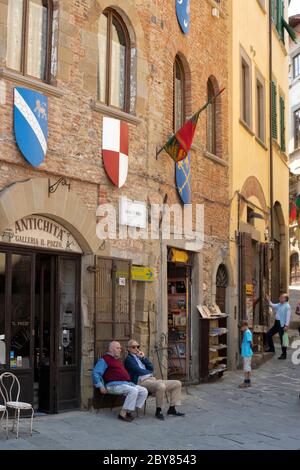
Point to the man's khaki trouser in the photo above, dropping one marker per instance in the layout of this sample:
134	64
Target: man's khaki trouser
160	387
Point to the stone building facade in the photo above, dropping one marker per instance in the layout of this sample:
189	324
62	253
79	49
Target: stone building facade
75	123
258	137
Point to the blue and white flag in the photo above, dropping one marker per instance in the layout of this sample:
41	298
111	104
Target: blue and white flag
183	14
184	179
31	124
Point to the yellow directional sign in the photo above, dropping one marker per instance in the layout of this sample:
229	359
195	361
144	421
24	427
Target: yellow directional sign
142	273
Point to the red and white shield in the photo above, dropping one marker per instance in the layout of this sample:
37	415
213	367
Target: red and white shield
115	150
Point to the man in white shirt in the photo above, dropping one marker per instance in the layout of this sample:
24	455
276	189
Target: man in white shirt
282	321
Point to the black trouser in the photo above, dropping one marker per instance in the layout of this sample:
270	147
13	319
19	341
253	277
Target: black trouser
276	328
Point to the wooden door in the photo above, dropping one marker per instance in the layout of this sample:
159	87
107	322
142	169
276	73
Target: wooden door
67	337
275	272
112	303
45	333
19	308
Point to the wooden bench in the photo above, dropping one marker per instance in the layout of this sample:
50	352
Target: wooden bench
111	400
108	400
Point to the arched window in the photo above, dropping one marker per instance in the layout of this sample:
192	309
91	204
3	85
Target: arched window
114	61
211	138
221	286
29	37
179	94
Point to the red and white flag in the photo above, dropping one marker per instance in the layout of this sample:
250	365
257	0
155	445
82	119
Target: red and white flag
115	150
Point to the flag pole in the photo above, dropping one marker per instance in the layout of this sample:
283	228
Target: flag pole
198	112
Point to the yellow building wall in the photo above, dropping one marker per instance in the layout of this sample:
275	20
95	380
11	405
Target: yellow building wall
248	157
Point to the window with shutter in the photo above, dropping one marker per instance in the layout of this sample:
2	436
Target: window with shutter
260	107
277	13
274	8
246	87
282	124
280	16
296	66
274	111
297	128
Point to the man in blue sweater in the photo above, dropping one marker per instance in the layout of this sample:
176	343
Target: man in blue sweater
141	372
282	320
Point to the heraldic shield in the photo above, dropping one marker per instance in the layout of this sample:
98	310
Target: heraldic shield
183	14
183	179
115	150
31	124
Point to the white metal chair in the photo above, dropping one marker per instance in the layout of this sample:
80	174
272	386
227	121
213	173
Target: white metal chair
9	387
3	412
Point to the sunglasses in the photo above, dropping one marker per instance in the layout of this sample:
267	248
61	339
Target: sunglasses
136	346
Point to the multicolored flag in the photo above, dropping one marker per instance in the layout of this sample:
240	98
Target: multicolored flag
293	212
179	145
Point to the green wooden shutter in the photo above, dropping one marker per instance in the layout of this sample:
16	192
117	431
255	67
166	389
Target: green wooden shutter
273	11
282	124
280	16
274	111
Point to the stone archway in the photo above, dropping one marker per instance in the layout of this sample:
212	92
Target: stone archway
32	197
29	197
252	187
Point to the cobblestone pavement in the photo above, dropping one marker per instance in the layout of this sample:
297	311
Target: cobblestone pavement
219	415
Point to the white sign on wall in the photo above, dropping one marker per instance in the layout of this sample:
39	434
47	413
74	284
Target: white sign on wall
132	213
39	232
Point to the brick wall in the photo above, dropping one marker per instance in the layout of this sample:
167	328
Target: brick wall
75	128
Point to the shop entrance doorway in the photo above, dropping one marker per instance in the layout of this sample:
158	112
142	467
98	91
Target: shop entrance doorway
179	314
55	340
40	297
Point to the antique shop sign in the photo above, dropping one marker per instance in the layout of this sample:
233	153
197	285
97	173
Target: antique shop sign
39	232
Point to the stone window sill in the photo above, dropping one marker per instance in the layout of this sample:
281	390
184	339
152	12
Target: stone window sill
37	85
282	154
115	113
215	158
294	81
282	44
262	7
295	152
261	143
245	126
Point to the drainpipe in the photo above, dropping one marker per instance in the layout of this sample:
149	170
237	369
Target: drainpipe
239	243
270	122
240	286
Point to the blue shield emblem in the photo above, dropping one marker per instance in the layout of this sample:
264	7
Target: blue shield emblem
183	14
31	124
183	179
